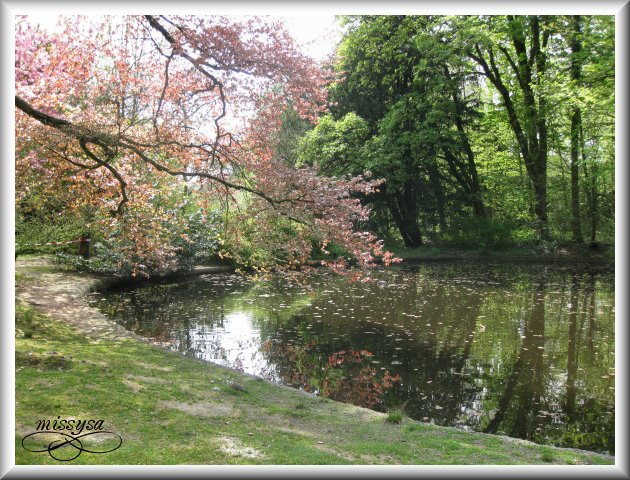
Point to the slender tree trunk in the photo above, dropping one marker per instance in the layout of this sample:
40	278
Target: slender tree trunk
539	183
576	125
467	175
438	192
591	190
576	226
528	62
594	205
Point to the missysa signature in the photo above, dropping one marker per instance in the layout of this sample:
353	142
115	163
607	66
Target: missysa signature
66	439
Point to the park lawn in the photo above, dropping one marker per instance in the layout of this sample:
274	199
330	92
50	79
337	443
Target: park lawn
173	409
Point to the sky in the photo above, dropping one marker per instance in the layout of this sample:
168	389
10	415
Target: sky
316	35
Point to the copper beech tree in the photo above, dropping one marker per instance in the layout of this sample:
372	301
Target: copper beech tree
116	111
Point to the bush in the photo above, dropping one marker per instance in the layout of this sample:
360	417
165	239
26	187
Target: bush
394	417
33	231
195	243
481	233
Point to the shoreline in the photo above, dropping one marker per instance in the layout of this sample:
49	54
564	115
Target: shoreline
60	295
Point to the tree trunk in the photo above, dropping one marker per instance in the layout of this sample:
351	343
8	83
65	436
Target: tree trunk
404	210
576	226
576	125
591	190
438	192
539	184
465	173
528	62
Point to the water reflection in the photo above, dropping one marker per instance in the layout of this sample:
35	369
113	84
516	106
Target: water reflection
522	351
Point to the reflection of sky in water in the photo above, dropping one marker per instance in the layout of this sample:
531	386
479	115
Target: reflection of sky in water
530	348
238	341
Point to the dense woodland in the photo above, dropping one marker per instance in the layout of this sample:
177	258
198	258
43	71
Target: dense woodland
173	141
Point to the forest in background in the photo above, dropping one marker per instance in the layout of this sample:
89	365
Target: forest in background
494	130
485	132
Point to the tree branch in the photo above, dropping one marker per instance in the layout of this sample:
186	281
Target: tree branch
110	143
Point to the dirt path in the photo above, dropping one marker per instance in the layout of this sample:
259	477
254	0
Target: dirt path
62	295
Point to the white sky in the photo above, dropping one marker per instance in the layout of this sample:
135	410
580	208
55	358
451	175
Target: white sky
316	35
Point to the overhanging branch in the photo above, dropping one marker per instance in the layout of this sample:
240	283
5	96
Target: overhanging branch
110	143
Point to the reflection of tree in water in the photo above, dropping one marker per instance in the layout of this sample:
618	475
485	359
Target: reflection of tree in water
590	418
430	360
529	406
524	384
345	376
494	348
436	384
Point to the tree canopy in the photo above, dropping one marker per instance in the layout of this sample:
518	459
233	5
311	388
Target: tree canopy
474	122
176	138
113	111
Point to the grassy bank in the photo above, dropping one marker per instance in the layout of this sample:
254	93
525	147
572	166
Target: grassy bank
603	255
171	409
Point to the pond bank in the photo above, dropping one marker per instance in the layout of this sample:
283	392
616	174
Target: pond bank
72	361
560	257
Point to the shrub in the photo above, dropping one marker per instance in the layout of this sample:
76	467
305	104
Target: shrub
394	416
481	233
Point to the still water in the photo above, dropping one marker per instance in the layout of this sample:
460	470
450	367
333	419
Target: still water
525	351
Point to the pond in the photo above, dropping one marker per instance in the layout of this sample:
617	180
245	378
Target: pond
519	350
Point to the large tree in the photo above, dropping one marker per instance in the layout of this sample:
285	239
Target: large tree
115	105
512	52
402	76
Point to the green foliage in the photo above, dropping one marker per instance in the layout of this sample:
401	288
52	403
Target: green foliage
408	110
292	130
333	252
394	416
400	118
193	236
411	108
199	242
482	233
337	147
547	456
249	250
33	229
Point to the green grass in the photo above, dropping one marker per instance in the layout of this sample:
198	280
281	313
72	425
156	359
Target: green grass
394	417
171	409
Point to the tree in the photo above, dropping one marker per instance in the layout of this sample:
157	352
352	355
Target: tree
402	77
477	124
596	99
576	127
110	106
516	47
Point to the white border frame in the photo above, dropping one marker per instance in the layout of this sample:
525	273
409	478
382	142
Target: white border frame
10	8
